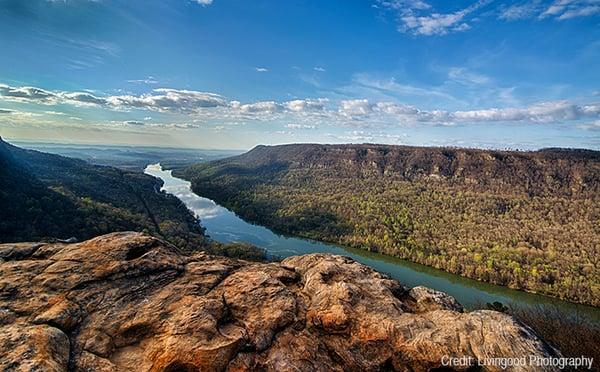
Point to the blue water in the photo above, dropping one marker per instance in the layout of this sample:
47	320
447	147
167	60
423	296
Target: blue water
225	226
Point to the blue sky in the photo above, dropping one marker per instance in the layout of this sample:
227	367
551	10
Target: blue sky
236	73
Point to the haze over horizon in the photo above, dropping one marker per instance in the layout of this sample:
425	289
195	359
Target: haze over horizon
231	74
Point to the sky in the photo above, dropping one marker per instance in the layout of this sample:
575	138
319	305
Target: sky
232	74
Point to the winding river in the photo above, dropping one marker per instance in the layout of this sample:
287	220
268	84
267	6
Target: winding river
225	226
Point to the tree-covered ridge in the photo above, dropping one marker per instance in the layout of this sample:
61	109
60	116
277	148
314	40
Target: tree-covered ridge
528	220
51	196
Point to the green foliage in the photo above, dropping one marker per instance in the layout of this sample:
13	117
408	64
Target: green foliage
497	306
240	250
44	195
529	221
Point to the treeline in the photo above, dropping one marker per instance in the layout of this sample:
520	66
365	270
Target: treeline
540	232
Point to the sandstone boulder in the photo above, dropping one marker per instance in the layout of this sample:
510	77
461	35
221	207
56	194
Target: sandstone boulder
130	302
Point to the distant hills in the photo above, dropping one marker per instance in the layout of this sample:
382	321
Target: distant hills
50	196
547	171
528	220
133	158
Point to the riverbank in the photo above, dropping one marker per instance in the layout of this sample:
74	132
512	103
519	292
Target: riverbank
225	226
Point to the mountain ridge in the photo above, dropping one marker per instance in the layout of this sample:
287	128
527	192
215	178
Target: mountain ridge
413	162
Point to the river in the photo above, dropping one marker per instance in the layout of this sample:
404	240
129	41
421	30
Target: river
225	226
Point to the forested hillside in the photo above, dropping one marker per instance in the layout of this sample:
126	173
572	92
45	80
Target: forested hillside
51	196
528	220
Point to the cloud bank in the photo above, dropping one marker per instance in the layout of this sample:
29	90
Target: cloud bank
201	106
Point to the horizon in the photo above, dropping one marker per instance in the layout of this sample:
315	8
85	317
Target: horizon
20	143
228	74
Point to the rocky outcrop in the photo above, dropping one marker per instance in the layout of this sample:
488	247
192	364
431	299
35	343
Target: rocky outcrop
127	301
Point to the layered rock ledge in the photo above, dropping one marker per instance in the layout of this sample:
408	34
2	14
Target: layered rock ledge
128	301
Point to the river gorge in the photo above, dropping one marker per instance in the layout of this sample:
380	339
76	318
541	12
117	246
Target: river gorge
225	226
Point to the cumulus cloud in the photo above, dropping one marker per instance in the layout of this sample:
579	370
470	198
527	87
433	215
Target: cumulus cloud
319	69
83	98
304	113
261	69
162	100
46	97
361	110
26	94
204	2
298	106
301	105
353	108
258	107
169	100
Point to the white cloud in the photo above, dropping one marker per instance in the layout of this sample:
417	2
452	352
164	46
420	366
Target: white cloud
363	84
169	100
149	80
319	69
580	12
418	17
259	107
415	17
300	126
261	69
46	97
361	110
26	94
595	125
519	11
353	108
58	113
404	4
300	105
163	100
204	2
303	113
464	76
566	9
81	98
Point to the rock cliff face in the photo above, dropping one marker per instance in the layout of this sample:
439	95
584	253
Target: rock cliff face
127	301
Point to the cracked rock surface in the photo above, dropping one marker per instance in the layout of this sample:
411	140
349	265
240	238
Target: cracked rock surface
128	301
